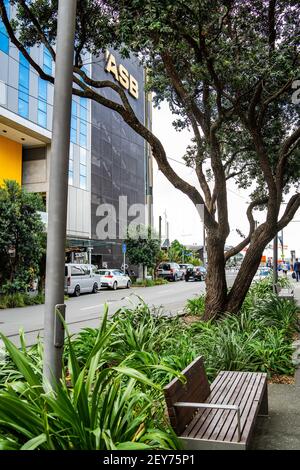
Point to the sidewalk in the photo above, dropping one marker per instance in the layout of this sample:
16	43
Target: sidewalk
296	286
281	429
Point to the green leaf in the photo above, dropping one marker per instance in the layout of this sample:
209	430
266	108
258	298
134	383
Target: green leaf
35	442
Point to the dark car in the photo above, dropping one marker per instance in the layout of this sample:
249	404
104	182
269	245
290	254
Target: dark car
197	273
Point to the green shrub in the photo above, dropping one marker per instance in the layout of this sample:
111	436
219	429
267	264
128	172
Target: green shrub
20	299
150	282
95	408
195	306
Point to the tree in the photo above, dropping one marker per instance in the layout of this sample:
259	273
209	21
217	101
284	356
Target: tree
143	247
227	70
176	251
21	236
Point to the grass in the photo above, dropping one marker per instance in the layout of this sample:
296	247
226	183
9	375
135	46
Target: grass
150	282
20	300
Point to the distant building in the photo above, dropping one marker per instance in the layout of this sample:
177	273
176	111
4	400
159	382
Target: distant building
107	158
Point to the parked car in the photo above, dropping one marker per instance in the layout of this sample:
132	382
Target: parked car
184	267
114	278
196	273
170	271
80	278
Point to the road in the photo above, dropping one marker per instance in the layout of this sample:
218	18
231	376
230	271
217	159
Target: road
87	309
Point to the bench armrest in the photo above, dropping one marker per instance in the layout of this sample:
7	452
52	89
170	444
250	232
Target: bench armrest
235	408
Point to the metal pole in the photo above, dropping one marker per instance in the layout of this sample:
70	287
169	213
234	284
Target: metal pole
159	228
58	188
124	262
204	248
275	257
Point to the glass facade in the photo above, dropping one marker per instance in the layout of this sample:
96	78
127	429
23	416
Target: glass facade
42	103
23	98
71	165
43	89
83	123
74	123
4	40
83	168
118	159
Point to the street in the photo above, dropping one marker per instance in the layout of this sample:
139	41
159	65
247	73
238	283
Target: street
86	310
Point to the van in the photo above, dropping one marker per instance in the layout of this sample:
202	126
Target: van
80	278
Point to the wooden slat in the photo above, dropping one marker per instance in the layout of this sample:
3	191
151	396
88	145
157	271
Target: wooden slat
215	392
223	417
240	382
252	410
204	417
246	397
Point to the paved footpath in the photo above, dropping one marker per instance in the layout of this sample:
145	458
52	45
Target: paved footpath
281	429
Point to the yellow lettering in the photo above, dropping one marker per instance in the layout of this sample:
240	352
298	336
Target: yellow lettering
123	77
111	66
133	87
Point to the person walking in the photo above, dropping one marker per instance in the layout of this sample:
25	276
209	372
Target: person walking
297	269
284	268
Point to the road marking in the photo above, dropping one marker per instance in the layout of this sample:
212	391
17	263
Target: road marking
93	306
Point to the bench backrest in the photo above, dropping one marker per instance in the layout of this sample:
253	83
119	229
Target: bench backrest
196	389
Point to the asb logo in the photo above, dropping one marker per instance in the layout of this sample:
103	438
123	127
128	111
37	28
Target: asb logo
122	75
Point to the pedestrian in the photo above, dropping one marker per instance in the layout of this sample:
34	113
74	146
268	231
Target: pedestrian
297	269
284	268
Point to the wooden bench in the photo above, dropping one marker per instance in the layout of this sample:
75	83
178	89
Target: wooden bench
285	293
217	416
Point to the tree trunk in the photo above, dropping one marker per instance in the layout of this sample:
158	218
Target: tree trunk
216	285
246	273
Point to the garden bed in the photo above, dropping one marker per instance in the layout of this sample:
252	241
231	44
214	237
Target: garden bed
112	387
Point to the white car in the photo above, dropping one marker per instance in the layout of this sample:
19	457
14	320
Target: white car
114	278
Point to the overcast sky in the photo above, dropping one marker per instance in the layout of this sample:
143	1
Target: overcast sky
184	222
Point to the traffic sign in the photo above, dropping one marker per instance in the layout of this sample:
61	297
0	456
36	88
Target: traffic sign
124	248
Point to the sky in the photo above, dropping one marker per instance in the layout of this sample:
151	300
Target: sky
184	222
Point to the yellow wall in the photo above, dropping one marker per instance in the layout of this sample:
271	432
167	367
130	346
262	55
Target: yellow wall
10	160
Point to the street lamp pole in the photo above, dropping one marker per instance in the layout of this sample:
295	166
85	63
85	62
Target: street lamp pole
275	266
58	193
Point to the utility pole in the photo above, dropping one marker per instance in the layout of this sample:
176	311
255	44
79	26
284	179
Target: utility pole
159	229
58	193
275	257
204	246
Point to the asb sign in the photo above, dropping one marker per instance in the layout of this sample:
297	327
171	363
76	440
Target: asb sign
122	75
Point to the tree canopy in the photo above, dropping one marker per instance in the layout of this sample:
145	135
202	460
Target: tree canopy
227	70
143	246
21	236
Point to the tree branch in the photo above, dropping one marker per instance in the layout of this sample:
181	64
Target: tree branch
36	24
283	157
290	210
234	251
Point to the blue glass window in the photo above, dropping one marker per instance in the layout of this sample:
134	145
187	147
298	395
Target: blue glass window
83	134
42	103
74	123
83	123
47	62
23	98
4	40
83	169
71	165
